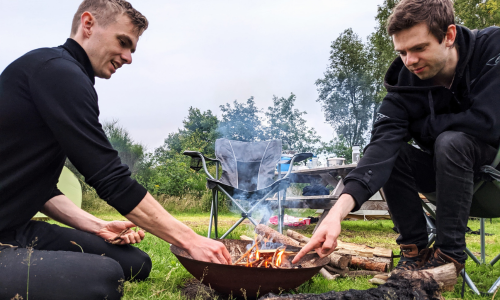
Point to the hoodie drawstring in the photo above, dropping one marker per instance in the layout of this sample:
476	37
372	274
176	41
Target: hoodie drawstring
431	105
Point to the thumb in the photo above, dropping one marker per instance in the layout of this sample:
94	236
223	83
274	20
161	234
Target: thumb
129	224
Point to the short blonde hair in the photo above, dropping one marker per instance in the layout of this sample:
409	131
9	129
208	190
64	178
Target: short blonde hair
105	12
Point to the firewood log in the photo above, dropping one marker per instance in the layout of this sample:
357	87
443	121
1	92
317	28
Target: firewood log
327	275
366	263
275	236
339	261
297	236
341	272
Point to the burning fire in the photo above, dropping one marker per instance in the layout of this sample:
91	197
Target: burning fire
263	258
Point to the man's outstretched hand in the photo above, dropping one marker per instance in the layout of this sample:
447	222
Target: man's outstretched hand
206	249
324	240
117	231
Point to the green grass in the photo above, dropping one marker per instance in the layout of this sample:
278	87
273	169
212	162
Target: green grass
168	275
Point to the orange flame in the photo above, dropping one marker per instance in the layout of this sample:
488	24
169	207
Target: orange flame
278	257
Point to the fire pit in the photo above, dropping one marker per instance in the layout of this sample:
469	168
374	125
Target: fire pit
244	280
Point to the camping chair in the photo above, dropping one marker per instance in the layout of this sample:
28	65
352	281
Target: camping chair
248	170
485	204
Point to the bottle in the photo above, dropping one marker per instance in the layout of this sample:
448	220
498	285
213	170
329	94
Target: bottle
355	154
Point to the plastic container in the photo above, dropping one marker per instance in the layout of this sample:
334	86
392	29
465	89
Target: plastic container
284	168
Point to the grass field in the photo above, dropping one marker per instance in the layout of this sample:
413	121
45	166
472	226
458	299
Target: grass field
168	275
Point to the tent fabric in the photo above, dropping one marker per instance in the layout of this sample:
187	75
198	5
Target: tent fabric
70	186
247	166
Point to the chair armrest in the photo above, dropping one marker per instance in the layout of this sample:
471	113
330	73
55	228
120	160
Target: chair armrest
296	158
198	154
196	159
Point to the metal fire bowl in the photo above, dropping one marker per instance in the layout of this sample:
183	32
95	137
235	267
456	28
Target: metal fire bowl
233	280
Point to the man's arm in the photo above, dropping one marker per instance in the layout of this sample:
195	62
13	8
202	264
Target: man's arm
62	209
150	215
324	240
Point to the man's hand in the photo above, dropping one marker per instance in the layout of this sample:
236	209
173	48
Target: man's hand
118	231
324	240
206	249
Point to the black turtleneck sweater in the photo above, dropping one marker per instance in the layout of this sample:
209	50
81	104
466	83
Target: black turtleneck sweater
49	111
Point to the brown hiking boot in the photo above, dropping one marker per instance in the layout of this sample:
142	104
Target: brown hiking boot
439	259
411	259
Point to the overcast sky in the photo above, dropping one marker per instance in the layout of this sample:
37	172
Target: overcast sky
203	54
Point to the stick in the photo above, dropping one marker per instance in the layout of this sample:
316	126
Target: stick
274	256
272	234
246	253
297	236
7	245
328	275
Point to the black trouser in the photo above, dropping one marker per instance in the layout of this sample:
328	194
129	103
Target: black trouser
49	265
450	173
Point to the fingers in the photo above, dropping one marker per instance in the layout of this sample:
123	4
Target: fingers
308	247
226	255
132	237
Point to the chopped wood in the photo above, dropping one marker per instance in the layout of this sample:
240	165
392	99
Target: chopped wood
7	245
297	236
341	272
245	238
367	264
327	275
275	236
339	261
245	254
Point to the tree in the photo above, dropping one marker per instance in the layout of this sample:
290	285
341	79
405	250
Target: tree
287	124
346	92
129	152
339	147
381	51
199	133
477	13
241	121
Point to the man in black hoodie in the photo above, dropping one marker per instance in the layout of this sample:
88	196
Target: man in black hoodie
443	93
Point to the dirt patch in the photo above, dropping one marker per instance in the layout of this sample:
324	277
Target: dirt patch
195	290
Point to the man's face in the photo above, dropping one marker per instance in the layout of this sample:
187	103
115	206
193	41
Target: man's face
110	47
421	51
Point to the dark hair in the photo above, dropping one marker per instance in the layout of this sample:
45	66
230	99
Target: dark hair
437	14
105	12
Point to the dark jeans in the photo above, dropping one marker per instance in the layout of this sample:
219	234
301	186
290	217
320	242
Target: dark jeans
48	265
450	173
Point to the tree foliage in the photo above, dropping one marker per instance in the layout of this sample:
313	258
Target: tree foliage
477	13
241	122
130	153
286	123
346	92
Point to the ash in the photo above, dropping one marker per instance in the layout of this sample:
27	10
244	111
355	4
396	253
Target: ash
397	287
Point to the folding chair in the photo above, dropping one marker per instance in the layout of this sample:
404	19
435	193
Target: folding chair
248	171
485	204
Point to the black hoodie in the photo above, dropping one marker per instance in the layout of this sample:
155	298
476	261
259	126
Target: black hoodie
415	108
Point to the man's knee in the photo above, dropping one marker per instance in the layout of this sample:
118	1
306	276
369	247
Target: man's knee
140	265
453	144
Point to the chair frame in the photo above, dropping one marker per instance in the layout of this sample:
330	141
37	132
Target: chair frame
247	214
432	235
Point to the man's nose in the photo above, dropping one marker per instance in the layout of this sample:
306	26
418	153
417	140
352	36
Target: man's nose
411	59
127	57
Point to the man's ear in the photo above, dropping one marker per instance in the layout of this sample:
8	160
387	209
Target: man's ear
451	34
87	24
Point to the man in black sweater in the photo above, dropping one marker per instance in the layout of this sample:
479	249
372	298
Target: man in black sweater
49	112
443	92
